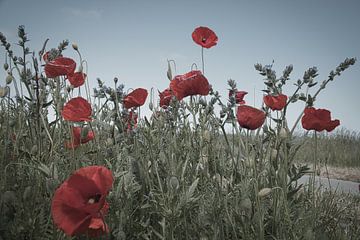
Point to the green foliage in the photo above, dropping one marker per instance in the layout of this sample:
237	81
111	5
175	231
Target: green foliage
178	175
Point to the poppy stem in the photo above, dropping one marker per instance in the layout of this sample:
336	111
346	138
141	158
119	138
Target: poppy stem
202	60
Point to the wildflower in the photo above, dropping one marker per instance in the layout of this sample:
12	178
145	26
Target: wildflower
136	98
77	137
249	117
275	102
78	205
77	79
189	84
239	96
204	37
165	97
77	110
59	66
318	120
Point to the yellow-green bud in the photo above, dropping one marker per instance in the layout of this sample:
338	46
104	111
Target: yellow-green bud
6	66
264	192
274	153
75	46
3	91
283	133
109	142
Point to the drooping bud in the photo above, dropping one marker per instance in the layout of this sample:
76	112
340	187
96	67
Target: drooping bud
283	133
3	91
264	192
75	46
9	79
6	66
174	183
274	153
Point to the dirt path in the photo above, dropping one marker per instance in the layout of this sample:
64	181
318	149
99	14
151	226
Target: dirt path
346	174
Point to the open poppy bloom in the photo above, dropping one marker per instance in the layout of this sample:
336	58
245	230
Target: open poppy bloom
77	110
59	66
239	96
165	98
318	120
78	205
249	117
205	37
79	136
77	79
276	102
136	98
189	84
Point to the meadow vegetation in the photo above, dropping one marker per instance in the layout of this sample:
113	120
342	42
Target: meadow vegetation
110	173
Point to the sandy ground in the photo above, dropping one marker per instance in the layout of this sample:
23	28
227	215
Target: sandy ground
348	174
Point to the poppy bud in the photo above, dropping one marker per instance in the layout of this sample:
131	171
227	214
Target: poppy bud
27	194
109	142
75	46
274	153
174	183
206	136
151	106
3	91
34	150
6	66
283	133
246	204
9	197
12	123
264	192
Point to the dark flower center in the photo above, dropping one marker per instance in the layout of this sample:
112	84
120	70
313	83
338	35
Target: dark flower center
94	199
203	40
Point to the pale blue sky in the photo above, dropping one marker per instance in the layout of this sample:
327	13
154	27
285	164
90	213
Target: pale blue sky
133	39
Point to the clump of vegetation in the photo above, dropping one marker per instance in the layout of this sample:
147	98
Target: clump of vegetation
82	165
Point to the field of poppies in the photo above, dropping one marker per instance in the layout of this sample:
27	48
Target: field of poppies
84	164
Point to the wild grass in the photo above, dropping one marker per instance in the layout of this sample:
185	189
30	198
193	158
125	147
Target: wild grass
340	148
177	175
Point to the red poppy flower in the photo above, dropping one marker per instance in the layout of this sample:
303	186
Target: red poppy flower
165	97
276	102
136	98
77	110
78	205
239	96
249	117
205	37
189	84
59	66
132	120
77	79
77	137
318	120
